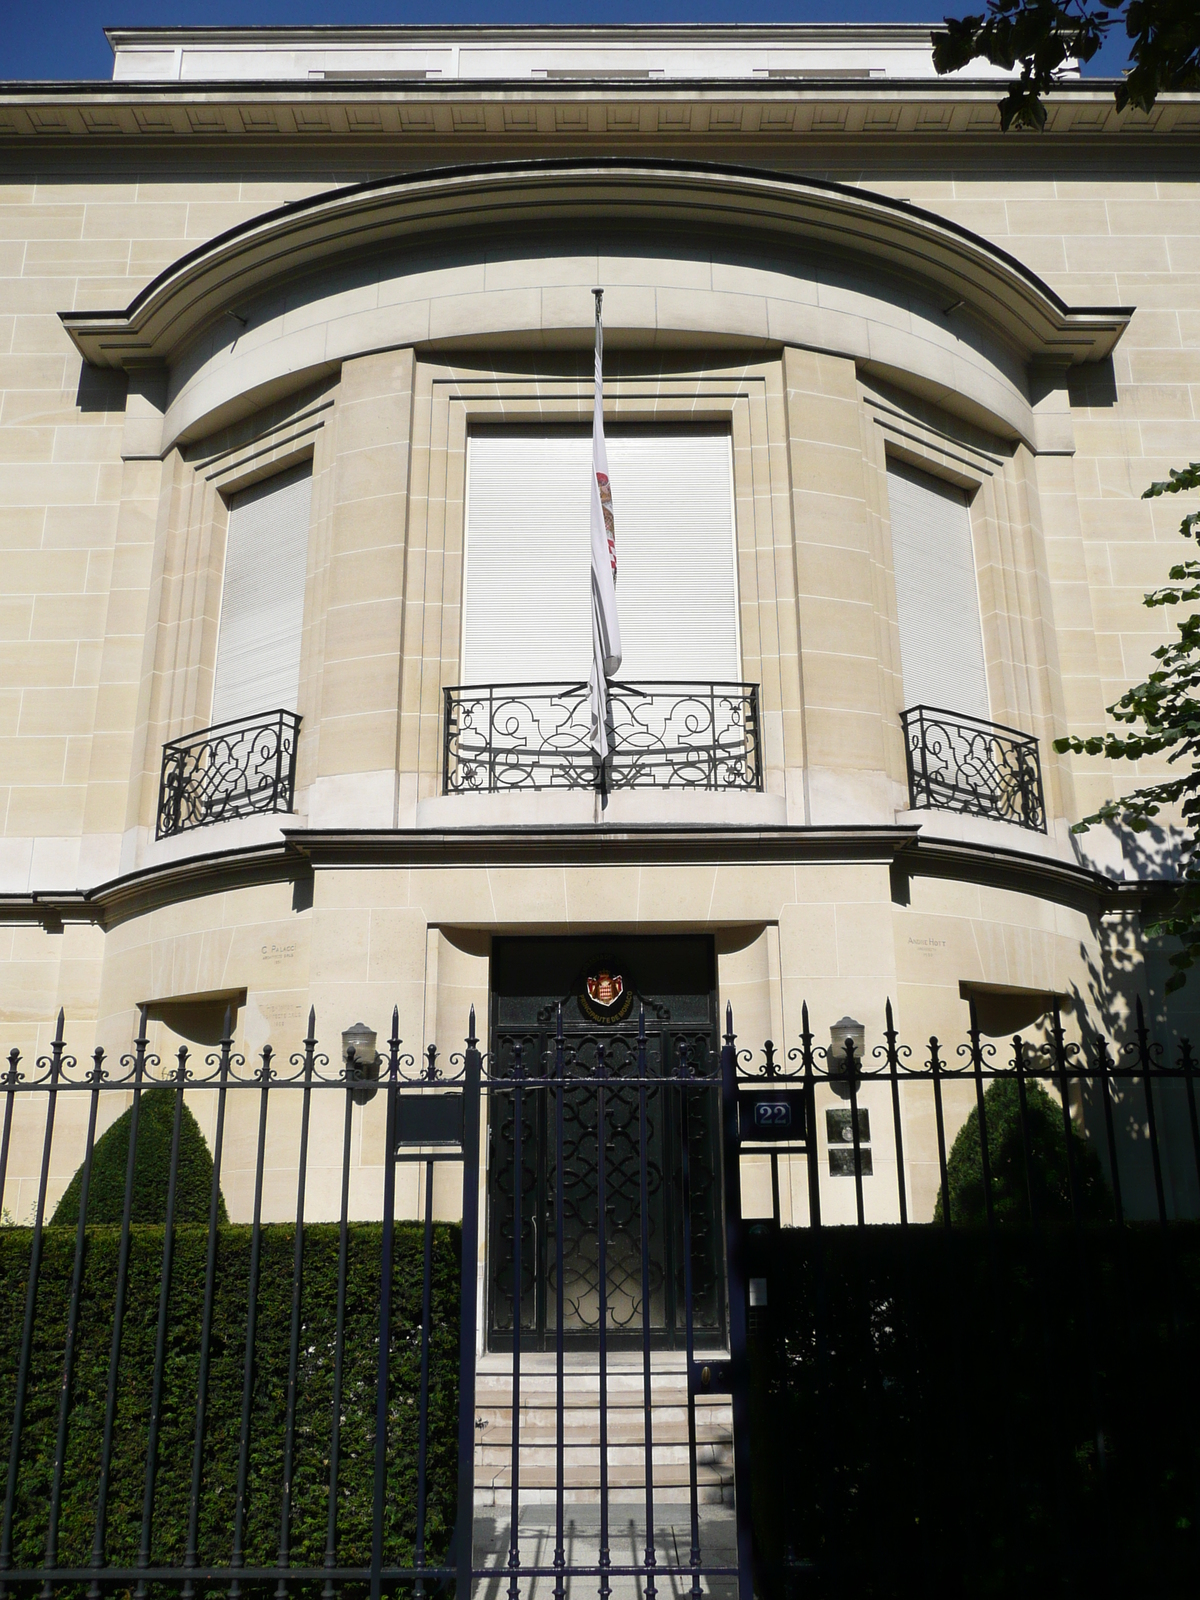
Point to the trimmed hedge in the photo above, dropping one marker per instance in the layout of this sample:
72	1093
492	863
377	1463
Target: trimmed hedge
1049	1172
315	1391
151	1169
926	1418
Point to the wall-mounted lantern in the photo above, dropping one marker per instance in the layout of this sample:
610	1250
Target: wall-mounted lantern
847	1044
362	1061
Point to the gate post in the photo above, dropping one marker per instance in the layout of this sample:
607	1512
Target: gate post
736	1273
468	1287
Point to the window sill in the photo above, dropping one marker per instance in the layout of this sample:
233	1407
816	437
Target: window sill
548	808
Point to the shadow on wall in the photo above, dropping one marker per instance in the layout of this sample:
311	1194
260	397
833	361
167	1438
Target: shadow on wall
1092	385
1130	964
101	389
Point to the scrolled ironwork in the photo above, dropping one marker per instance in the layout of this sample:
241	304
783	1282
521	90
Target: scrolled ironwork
959	763
498	737
245	767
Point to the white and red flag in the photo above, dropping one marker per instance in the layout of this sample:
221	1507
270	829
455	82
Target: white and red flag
606	628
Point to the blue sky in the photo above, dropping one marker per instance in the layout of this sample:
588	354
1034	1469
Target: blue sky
65	39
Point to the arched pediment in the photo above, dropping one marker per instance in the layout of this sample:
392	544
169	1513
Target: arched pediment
303	238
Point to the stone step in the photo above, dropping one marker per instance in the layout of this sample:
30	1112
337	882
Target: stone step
499	1392
626	1459
586	1383
584	1452
584	1428
578	1393
577	1417
714	1487
627	1374
488	1444
707	1494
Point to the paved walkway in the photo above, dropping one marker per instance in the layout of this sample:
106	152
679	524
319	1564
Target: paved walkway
627	1539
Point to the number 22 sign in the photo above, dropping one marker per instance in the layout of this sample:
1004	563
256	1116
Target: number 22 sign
776	1116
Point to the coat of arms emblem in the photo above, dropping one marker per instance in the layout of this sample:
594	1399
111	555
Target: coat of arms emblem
606	995
605	988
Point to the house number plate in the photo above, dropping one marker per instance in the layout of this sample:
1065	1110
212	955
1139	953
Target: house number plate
775	1116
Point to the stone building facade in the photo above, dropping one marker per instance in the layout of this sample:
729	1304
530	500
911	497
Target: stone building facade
342	258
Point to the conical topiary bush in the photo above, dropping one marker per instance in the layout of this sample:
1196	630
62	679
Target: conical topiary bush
1049	1175
151	1169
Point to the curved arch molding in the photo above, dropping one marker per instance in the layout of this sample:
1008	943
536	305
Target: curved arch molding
231	298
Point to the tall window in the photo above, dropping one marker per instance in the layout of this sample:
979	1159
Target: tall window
262	599
937	596
526	611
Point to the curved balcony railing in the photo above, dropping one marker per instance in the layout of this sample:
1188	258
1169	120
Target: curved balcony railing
505	736
958	763
240	768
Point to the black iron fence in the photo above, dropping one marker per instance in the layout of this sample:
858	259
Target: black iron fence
958	763
195	1403
985	1383
498	737
239	768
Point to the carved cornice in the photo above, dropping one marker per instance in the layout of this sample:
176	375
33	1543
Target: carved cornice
899	848
737	203
366	110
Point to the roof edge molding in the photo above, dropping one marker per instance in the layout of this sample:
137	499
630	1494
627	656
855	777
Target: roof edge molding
299	238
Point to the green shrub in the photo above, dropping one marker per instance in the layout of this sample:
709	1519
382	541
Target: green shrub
929	1407
268	1413
151	1169
1048	1174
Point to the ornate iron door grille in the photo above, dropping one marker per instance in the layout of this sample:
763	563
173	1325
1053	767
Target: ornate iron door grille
239	768
694	1077
958	763
561	1175
664	735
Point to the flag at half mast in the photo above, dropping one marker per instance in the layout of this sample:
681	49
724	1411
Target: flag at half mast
606	629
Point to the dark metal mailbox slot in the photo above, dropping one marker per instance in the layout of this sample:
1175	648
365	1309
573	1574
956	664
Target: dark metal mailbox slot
775	1116
429	1119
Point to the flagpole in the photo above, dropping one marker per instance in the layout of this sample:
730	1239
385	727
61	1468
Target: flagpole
606	627
598	405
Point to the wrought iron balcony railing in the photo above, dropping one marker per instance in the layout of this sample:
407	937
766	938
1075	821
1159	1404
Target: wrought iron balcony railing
958	763
504	736
235	769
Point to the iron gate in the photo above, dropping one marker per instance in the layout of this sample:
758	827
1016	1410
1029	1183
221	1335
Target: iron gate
560	1174
608	1094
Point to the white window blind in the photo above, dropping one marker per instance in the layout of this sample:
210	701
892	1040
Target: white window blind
937	596
526	609
262	600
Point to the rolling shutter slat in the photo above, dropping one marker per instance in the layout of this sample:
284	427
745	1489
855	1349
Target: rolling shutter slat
262	602
526	605
937	596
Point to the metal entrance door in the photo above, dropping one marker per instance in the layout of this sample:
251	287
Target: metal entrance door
619	1033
